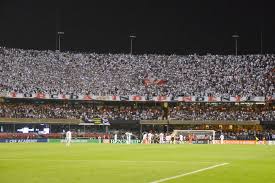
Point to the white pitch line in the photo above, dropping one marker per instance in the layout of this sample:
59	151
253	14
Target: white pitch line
189	173
100	160
93	160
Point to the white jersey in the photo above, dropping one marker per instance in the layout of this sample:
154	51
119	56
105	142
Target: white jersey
128	137
150	135
69	135
161	138
144	136
222	138
68	138
181	138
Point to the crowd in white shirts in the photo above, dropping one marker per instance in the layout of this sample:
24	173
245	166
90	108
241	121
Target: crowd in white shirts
193	112
32	71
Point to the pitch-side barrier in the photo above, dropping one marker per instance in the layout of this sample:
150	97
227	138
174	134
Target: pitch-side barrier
112	141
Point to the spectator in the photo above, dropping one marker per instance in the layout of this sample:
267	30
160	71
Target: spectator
32	71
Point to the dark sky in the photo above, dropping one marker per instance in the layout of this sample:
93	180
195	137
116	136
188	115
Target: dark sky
166	27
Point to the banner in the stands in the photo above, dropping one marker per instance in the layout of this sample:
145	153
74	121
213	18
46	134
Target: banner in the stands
236	99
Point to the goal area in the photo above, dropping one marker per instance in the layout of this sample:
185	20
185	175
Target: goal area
196	136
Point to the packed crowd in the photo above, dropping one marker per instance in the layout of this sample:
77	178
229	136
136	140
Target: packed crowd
185	112
243	113
78	111
31	71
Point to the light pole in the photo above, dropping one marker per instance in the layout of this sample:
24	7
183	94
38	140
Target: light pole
131	46
236	36
59	39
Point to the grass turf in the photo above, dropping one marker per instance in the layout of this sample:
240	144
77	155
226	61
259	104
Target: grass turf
98	163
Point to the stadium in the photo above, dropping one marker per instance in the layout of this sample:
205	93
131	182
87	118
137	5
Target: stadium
133	113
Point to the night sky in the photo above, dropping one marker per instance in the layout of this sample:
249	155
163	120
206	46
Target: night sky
164	27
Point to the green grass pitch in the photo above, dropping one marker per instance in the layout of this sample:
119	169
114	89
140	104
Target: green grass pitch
111	163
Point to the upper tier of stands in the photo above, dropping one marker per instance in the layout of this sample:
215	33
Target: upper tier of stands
31	71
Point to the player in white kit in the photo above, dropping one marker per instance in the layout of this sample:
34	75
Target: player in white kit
128	137
68	138
222	138
115	138
168	139
181	138
161	138
144	138
150	135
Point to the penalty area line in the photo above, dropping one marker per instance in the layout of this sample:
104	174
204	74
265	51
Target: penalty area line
189	173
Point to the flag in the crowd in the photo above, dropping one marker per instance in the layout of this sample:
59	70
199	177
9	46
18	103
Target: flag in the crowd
160	82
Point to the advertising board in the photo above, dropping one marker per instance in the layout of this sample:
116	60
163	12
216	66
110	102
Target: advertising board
23	140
